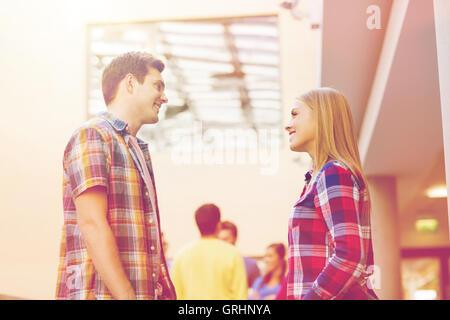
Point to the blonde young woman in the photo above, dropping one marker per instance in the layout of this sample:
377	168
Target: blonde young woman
330	246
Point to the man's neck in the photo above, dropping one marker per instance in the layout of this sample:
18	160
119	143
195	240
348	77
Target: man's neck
120	111
212	236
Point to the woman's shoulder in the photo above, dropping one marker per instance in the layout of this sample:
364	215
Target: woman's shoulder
257	282
332	167
335	166
337	172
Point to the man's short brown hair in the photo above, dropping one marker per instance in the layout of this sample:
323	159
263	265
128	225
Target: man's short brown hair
136	63
207	218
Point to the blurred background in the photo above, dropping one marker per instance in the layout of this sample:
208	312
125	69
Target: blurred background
233	69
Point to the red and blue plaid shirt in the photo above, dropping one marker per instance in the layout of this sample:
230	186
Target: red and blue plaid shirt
330	246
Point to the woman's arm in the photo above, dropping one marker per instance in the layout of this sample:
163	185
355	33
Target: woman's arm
282	293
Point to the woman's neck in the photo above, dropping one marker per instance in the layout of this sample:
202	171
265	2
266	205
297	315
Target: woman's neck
275	277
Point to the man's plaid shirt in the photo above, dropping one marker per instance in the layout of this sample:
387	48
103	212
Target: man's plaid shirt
330	246
100	154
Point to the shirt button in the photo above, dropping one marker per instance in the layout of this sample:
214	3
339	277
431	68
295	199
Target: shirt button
151	221
146	193
152	248
154	275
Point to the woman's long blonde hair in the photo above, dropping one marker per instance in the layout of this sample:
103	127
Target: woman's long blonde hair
335	131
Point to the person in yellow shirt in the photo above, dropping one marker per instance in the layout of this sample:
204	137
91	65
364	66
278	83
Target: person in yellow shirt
209	268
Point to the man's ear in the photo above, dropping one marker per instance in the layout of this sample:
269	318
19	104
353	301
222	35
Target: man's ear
129	83
217	229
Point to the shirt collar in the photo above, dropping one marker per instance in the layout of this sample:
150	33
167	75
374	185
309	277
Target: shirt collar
121	127
308	175
118	125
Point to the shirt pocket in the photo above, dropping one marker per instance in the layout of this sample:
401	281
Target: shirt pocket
304	207
125	181
302	216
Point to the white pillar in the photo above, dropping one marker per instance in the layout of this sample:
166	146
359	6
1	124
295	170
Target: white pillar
442	25
385	237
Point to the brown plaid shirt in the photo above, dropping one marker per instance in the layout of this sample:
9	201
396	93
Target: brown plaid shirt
100	153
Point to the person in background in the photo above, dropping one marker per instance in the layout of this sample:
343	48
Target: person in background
228	232
209	268
330	242
266	288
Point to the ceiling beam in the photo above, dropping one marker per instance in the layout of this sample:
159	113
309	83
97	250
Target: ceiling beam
178	85
219	49
245	100
211	60
394	27
442	25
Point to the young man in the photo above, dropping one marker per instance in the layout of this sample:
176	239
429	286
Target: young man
229	233
209	269
111	246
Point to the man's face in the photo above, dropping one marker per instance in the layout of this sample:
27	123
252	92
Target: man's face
149	96
227	236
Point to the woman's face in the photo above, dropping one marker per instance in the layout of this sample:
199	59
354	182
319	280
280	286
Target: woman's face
271	259
301	129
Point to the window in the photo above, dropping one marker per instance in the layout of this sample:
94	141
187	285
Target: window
223	73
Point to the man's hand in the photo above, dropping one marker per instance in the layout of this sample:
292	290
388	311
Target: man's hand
92	208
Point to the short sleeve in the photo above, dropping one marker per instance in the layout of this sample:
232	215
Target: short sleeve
257	283
86	160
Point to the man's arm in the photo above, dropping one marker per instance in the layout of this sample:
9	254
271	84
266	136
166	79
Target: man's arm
176	278
92	207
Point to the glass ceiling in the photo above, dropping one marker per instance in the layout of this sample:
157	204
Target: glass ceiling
223	73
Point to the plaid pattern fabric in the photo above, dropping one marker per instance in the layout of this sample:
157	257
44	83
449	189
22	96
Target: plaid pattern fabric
100	154
330	246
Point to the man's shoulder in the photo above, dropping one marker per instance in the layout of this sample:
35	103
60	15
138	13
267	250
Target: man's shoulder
98	124
96	127
186	250
250	261
214	245
227	248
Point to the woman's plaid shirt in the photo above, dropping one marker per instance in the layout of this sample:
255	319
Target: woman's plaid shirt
330	246
100	154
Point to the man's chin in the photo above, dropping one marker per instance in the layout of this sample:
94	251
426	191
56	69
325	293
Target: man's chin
152	119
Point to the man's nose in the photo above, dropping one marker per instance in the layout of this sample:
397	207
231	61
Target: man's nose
164	98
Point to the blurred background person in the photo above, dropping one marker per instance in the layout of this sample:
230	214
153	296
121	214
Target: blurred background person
209	268
266	288
228	232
